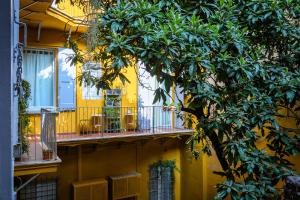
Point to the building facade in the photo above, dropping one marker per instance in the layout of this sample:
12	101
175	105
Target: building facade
82	143
77	142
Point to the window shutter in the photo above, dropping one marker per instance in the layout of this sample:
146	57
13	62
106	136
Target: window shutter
66	80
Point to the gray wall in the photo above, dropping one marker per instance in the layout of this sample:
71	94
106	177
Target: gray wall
8	103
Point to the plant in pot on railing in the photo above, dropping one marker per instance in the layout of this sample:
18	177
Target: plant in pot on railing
169	107
23	122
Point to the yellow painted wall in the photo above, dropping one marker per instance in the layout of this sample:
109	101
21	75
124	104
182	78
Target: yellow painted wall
68	121
193	177
101	161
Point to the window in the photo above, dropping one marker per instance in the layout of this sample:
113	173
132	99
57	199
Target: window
146	88
162	180
39	71
90	92
39	189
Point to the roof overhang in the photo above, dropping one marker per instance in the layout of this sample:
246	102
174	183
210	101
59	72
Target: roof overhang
41	12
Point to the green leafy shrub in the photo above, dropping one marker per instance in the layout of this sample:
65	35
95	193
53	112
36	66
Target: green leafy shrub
238	61
23	119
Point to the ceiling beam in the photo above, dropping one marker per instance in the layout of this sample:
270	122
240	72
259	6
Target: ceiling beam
39	32
26	15
28	5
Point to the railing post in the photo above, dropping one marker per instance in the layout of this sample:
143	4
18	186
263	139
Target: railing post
153	118
54	135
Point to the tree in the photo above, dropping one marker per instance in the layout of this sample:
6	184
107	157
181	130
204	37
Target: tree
237	60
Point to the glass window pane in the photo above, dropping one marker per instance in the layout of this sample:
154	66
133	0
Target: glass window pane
90	92
38	70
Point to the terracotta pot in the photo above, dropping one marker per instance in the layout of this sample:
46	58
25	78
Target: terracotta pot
47	154
172	108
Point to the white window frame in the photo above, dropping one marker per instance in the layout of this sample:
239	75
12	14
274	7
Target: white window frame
85	87
37	109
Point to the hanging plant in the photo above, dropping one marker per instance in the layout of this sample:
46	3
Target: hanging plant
165	164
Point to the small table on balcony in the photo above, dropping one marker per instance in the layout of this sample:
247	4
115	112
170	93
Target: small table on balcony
98	121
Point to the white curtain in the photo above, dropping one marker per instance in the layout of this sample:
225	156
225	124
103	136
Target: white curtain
38	70
146	96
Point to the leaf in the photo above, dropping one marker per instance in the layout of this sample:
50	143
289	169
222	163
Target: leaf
290	96
192	69
156	96
239	47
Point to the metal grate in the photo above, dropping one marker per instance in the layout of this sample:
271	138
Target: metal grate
43	188
161	182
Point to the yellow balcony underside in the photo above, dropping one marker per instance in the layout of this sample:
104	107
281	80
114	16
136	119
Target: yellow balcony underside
36	167
121	137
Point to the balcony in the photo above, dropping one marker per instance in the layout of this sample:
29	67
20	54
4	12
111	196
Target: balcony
106	124
37	153
49	128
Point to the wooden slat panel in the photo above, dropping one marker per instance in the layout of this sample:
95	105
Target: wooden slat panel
124	186
93	189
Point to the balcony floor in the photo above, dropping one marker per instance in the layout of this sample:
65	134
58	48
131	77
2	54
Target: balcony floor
33	162
64	138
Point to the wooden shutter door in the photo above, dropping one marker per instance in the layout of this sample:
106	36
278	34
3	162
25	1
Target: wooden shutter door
66	80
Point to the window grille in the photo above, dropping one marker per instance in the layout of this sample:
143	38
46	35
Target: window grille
161	182
40	189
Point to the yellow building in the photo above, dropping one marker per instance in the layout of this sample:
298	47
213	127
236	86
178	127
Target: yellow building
89	144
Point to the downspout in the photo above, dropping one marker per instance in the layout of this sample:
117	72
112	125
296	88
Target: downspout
25	30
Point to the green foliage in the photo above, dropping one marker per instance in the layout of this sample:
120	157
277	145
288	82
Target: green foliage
23	120
112	112
164	164
238	60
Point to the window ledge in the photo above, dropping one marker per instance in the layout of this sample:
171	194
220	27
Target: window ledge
38	110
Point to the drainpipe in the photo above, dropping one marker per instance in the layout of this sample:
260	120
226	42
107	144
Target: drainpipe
25	30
